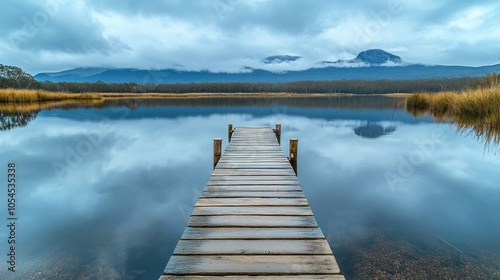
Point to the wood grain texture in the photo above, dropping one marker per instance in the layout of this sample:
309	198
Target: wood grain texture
253	221
250	194
244	277
254	178
259	201
254	183
250	210
262	172
252	233
251	265
253	247
246	187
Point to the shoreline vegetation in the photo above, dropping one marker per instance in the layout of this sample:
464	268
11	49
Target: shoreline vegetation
476	109
31	96
26	96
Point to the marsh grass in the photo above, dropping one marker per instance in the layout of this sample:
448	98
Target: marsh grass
477	110
476	104
30	96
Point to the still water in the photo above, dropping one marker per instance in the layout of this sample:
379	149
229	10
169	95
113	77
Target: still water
105	193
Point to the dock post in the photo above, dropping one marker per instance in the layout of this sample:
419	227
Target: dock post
217	150
277	131
294	146
229	132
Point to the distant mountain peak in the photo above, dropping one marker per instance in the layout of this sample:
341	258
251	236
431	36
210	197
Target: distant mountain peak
372	57
375	57
276	59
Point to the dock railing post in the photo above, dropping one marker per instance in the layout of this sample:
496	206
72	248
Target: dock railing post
277	131
229	132
294	146
217	150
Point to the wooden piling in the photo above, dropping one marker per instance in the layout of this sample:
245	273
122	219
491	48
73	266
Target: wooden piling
277	131
294	146
217	150
229	132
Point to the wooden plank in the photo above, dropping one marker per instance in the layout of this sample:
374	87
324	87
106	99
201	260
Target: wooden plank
253	247
287	171
263	142
254	178
255	160
243	194
227	233
258	165
250	210
260	188
250	154
261	146
259	201
252	221
244	277
254	183
251	265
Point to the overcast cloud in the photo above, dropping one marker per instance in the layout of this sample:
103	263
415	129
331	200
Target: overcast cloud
227	35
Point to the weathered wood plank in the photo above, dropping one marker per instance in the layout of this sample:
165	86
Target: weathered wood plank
252	221
254	178
287	171
261	188
253	247
250	210
254	148
253	161
244	194
258	201
253	183
254	165
244	277
250	154
252	233
251	265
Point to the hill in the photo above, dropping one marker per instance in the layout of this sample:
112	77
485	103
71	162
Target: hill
368	65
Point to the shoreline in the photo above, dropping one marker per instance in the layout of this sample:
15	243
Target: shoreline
30	96
239	94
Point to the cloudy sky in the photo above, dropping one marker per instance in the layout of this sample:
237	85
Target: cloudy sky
227	35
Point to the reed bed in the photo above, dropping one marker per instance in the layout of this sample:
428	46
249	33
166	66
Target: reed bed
477	109
478	104
30	96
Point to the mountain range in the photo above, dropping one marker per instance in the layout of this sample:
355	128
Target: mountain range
367	65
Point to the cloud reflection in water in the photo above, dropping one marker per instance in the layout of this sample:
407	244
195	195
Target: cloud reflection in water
120	212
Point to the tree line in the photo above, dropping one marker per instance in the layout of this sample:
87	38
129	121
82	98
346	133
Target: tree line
14	77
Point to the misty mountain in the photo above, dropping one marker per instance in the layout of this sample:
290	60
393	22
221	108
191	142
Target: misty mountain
374	57
374	67
377	57
275	59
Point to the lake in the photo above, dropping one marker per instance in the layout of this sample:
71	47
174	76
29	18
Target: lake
105	192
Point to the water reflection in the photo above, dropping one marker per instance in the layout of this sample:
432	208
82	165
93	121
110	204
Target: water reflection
16	119
373	130
485	130
105	193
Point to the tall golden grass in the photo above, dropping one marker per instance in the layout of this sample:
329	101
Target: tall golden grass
479	104
29	96
477	109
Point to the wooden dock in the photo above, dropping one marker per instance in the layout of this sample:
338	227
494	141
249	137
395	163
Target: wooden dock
252	220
